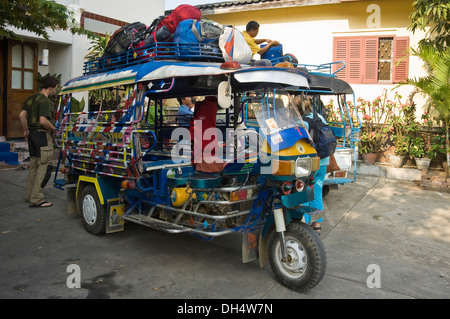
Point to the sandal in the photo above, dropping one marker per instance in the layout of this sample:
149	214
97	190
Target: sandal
43	204
317	229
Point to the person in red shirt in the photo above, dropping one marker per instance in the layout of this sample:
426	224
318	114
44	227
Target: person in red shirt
205	145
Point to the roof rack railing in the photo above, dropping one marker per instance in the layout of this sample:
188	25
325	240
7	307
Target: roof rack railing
156	51
321	69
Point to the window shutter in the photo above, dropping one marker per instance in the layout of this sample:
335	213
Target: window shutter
370	50
355	60
401	57
340	49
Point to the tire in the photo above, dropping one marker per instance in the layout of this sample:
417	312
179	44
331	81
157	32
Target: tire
308	264
325	190
93	214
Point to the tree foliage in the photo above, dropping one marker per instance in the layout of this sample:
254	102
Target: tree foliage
437	83
35	16
98	46
436	15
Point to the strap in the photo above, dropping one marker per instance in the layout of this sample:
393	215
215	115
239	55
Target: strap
315	116
155	24
195	31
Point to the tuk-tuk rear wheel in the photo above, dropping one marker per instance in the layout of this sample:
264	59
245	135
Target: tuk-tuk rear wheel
93	212
306	262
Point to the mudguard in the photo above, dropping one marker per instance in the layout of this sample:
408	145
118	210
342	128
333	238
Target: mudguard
107	188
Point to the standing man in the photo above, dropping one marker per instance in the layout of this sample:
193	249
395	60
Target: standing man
251	31
35	118
185	112
306	111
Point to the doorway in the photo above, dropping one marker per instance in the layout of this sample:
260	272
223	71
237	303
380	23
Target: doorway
21	82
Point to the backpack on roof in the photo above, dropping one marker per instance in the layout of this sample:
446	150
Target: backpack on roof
180	13
154	33
193	31
323	136
163	28
122	38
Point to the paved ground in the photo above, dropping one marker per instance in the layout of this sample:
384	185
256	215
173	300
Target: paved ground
374	226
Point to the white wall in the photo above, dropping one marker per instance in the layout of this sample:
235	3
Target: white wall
130	11
137	10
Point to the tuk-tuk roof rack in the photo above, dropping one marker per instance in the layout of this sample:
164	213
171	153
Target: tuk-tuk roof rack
325	69
155	51
209	52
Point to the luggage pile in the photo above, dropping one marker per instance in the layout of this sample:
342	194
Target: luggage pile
183	34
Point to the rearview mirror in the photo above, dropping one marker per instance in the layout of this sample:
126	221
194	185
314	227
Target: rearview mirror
224	95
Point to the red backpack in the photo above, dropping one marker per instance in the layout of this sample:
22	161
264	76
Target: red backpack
180	13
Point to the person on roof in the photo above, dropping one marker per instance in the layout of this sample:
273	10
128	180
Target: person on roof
252	30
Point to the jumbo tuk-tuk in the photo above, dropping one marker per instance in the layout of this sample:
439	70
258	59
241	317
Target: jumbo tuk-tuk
119	167
346	125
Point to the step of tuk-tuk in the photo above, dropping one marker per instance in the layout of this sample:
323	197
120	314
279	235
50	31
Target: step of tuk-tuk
156	224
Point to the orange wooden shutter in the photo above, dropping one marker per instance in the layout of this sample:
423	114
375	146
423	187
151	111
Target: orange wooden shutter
370	49
340	50
355	60
400	71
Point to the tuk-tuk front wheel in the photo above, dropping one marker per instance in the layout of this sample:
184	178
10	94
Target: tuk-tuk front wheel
306	262
92	212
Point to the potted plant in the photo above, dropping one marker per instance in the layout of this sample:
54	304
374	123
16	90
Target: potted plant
375	116
401	151
369	146
418	151
401	115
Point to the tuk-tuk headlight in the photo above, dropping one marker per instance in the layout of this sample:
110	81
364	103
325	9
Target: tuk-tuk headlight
303	166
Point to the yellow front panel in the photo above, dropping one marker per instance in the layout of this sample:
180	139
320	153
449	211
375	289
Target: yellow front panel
300	148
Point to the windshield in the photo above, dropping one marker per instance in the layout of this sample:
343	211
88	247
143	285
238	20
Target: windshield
274	110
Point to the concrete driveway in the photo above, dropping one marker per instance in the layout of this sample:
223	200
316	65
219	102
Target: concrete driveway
384	239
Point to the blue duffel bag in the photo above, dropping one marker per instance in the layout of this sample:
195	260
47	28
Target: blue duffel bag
195	32
274	52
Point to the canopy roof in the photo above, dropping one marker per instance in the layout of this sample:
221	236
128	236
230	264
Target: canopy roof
326	84
160	70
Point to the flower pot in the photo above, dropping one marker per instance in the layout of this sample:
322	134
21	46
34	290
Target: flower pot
369	158
397	161
422	163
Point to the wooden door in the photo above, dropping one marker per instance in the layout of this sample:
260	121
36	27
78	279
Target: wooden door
22	82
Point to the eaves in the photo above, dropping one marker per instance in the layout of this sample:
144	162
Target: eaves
252	5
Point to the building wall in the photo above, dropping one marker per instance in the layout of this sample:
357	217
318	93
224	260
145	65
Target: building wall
67	51
308	32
